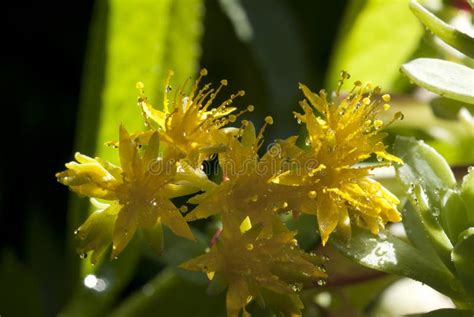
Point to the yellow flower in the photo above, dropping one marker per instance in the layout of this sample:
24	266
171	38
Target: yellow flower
245	190
138	192
259	267
333	184
192	128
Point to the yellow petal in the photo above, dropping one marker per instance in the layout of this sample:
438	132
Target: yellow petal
125	227
172	218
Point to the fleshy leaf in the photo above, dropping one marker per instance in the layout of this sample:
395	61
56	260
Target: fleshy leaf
453	215
442	77
389	254
463	258
467	194
424	174
449	34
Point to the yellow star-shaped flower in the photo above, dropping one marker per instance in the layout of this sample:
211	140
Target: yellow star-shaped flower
137	193
333	183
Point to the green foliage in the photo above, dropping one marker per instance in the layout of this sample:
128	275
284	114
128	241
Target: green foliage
449	34
368	42
129	42
442	77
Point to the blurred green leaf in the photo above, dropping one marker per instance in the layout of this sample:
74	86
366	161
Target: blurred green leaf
97	290
129	42
457	39
442	77
446	108
463	258
425	174
445	312
389	254
467	194
19	292
169	294
370	43
453	215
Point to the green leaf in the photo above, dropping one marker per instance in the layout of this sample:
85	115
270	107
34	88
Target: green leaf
425	174
19	291
415	231
129	42
389	254
457	39
445	312
442	77
422	165
463	258
169	294
453	215
467	194
370	42
445	108
111	276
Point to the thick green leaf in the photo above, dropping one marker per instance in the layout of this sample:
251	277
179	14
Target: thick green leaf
467	194
463	258
170	295
445	312
415	231
422	165
371	43
457	39
445	78
387	253
453	215
425	174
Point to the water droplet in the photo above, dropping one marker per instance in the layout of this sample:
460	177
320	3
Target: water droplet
312	194
83	255
411	188
183	208
321	282
76	231
168	88
250	246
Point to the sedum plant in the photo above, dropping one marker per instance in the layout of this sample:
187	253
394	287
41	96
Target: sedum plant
253	254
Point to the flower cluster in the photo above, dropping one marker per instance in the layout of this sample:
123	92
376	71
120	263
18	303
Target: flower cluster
254	255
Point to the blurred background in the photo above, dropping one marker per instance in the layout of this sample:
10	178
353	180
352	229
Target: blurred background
71	74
